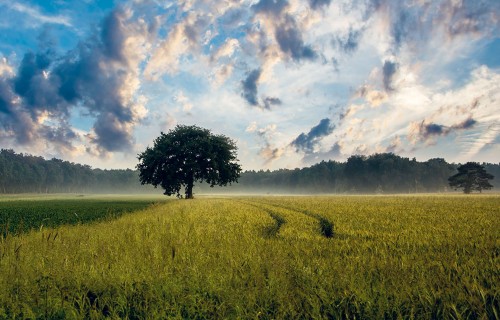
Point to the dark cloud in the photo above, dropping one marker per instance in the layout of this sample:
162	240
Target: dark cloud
271	101
250	87
61	136
425	131
307	142
289	38
6	97
388	70
433	129
113	37
273	7
318	4
37	88
110	134
466	124
349	42
404	27
335	151
16	124
92	76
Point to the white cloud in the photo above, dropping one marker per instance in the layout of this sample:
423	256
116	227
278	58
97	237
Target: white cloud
6	69
37	17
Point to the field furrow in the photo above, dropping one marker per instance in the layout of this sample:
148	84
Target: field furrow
293	224
326	227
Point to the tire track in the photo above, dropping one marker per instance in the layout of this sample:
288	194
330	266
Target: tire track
272	230
326	227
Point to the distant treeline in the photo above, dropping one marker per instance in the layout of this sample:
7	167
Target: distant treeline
378	173
24	173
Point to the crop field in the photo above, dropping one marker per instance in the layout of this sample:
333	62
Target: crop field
21	213
328	257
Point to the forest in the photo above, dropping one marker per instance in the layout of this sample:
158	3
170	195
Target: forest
377	173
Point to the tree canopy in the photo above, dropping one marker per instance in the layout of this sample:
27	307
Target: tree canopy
471	176
188	154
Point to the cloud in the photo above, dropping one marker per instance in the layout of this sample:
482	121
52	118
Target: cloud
184	37
319	4
221	74
5	68
349	42
469	17
307	142
250	87
272	7
271	101
267	151
289	38
425	131
374	97
184	101
101	75
395	145
466	124
227	49
165	58
414	25
36	16
270	153
389	70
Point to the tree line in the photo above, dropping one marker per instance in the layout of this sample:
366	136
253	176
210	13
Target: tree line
25	173
378	173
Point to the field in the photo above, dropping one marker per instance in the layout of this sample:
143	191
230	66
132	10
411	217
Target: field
262	257
23	213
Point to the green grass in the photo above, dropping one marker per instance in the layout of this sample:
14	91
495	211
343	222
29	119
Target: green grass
264	257
20	214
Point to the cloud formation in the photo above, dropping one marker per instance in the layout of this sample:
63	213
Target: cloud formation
289	38
100	76
249	86
307	142
418	66
425	132
388	71
36	17
268	151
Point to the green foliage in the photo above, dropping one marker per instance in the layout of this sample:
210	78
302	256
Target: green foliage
188	154
471	177
390	257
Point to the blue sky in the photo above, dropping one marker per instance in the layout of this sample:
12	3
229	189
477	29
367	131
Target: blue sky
293	82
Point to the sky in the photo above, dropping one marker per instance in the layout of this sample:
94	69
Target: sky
292	82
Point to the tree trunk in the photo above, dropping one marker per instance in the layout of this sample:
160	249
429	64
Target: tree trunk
189	187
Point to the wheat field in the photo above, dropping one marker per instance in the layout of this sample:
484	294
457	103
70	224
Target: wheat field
325	257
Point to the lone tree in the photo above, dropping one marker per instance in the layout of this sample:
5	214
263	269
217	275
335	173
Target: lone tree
188	154
471	176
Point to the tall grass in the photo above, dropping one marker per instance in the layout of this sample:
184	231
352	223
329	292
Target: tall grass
390	257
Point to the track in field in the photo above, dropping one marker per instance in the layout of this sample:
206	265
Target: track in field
325	225
272	230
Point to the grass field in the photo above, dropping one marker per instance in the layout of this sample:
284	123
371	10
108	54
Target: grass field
20	213
264	257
